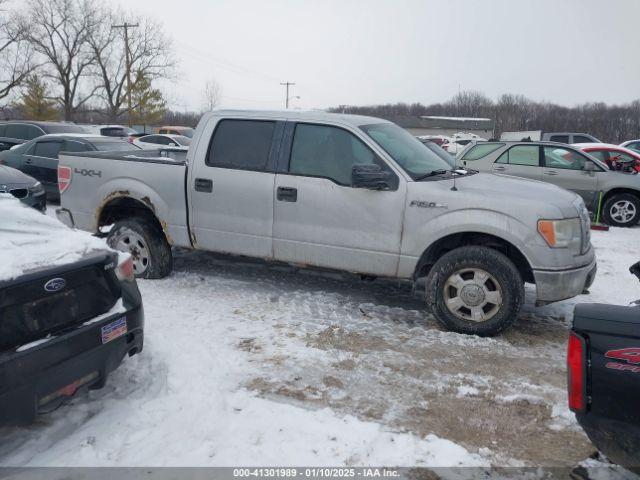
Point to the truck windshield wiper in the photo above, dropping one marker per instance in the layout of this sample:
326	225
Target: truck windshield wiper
432	173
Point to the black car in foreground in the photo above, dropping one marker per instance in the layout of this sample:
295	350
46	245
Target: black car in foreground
604	378
23	187
39	157
70	311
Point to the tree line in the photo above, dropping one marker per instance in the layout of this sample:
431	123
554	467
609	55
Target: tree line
62	59
610	123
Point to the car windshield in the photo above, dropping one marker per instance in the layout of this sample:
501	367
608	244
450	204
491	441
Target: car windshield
405	149
441	152
118	146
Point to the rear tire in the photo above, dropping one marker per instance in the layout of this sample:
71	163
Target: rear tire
147	245
475	290
622	210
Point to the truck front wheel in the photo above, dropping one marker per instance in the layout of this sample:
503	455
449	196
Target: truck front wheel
147	245
475	290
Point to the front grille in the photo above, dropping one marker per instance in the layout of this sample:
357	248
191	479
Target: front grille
29	312
19	192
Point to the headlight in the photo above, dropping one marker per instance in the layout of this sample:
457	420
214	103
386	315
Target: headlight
36	189
561	233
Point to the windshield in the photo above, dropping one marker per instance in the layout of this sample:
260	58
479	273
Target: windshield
118	146
405	149
441	152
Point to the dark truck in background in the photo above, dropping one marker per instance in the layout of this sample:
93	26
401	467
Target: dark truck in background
604	378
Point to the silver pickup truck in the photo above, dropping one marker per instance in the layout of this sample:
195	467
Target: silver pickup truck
351	193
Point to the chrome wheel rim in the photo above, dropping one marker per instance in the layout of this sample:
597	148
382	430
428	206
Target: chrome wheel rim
473	294
133	243
623	211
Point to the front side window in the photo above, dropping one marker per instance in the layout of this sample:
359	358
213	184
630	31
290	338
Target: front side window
328	152
47	149
560	138
581	139
563	158
524	155
73	146
32	132
15	130
481	150
405	149
241	144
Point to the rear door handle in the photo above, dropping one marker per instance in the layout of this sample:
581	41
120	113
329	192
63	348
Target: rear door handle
287	194
28	160
203	185
550	172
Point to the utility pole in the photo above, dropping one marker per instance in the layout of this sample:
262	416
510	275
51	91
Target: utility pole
127	55
287	85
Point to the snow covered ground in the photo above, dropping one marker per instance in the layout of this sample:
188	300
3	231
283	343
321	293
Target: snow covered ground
252	364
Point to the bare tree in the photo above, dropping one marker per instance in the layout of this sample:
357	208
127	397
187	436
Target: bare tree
212	94
150	50
15	53
58	32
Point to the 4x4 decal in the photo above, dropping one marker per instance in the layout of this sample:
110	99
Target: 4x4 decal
629	355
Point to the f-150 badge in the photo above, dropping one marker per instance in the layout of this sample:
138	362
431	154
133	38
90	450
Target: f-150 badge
422	204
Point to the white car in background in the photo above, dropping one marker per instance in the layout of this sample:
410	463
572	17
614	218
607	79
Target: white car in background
632	145
460	141
156	141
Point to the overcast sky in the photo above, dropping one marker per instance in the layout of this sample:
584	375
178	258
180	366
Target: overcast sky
377	51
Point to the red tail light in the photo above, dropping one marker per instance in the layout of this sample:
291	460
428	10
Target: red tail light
64	178
125	271
576	371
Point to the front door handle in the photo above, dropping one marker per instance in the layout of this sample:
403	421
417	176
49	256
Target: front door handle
203	185
499	169
28	160
287	194
550	172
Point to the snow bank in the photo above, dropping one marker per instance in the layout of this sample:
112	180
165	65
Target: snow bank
30	240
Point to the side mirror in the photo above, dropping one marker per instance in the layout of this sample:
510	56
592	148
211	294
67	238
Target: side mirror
173	144
370	176
590	167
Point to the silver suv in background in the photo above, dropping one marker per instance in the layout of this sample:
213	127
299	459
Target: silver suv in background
566	167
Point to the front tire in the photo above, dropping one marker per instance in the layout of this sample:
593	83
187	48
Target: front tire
147	245
475	290
622	210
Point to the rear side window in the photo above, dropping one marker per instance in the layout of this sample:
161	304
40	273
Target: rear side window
581	139
32	132
16	131
525	155
113	132
481	150
241	144
601	155
47	149
2	130
559	138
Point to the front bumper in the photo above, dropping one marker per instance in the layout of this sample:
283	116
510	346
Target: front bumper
556	285
30	379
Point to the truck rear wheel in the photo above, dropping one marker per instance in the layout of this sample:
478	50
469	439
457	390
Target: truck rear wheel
475	290
147	245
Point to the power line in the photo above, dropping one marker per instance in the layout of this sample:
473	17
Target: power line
287	85
126	26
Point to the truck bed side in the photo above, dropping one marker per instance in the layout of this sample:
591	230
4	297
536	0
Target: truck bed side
140	182
612	416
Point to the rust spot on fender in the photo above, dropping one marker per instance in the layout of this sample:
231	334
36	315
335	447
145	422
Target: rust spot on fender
147	201
103	203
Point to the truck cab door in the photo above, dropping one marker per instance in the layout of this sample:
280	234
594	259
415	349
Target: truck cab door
520	161
231	186
320	219
568	169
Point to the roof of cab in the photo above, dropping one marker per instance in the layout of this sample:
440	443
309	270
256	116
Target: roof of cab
298	115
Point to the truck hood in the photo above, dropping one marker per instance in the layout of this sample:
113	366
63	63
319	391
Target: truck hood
12	176
503	187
